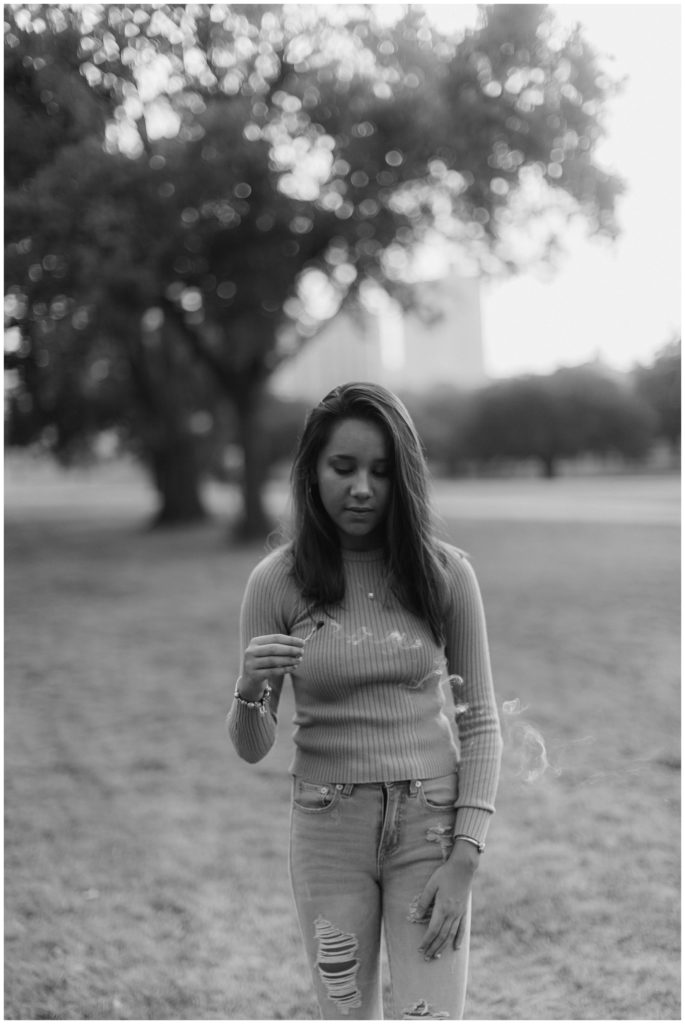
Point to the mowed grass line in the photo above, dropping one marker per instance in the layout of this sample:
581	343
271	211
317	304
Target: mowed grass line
146	865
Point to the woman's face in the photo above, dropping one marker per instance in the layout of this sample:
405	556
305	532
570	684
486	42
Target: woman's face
354	483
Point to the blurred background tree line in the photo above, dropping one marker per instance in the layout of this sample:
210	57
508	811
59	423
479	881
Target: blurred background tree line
178	175
547	419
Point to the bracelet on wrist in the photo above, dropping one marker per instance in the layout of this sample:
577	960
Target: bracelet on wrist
469	839
259	705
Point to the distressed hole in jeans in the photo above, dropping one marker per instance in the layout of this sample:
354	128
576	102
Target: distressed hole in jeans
441	834
414	917
338	965
424	1011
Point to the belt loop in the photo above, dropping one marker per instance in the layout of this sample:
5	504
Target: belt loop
347	789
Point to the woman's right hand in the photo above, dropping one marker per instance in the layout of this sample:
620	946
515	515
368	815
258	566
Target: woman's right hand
267	656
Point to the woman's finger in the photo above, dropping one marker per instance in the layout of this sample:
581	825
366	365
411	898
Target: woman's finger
268	665
436	937
264	660
275	650
459	936
278	638
268	670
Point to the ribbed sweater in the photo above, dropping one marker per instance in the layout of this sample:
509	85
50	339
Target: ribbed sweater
371	700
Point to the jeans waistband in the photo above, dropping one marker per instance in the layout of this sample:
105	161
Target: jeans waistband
412	786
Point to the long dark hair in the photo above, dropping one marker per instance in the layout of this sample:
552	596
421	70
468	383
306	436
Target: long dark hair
414	564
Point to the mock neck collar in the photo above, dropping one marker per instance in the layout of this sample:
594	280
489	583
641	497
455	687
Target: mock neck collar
373	555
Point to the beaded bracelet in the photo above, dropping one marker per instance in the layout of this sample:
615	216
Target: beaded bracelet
252	704
469	839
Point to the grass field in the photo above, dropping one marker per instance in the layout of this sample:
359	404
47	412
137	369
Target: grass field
146	865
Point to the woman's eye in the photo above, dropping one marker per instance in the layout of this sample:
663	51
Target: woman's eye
348	470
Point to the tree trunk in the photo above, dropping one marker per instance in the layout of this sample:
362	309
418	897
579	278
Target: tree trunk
168	451
176	476
254	523
549	466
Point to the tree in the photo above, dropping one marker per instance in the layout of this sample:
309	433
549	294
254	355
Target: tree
94	350
600	414
284	159
659	385
515	420
88	359
571	412
49	103
442	418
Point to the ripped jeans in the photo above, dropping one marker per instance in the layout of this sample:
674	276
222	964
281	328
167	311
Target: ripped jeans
360	856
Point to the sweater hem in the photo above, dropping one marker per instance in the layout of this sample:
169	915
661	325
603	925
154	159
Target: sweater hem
314	769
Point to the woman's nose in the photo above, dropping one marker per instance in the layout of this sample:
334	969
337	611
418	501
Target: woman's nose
361	485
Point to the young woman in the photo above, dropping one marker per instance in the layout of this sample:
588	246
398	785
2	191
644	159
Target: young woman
370	616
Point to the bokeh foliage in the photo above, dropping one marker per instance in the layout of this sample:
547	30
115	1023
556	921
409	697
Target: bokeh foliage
194	189
574	411
659	384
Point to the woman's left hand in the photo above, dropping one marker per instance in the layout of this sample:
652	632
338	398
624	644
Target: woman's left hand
448	891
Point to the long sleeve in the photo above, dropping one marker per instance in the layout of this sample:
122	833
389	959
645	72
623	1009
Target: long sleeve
252	732
480	738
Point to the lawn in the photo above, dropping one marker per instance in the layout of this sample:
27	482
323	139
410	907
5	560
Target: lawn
146	865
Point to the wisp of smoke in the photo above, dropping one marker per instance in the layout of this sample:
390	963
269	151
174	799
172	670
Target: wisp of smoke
524	744
436	673
393	640
460	707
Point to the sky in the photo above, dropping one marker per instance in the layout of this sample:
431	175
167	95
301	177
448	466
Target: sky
619	302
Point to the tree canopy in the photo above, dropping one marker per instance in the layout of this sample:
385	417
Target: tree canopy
544	418
659	385
194	189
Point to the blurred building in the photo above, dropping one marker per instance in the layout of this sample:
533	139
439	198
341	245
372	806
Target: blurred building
405	352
